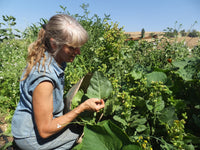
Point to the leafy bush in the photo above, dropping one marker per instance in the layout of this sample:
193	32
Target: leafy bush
170	32
12	56
154	99
193	33
183	33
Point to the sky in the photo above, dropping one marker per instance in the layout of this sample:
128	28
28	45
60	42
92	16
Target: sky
132	15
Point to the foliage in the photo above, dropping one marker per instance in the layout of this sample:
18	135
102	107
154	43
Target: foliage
6	30
31	31
142	33
12	56
174	32
153	87
193	33
106	135
183	32
170	32
99	87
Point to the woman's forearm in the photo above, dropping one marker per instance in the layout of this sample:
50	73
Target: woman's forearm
57	124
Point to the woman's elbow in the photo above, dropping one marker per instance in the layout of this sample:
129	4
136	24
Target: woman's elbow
43	134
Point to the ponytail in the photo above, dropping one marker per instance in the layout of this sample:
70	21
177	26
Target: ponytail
36	52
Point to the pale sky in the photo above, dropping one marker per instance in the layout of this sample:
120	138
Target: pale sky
152	15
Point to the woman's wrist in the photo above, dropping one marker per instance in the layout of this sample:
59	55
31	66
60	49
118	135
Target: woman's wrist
79	109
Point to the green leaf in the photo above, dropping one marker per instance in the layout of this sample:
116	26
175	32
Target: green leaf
100	87
149	105
196	120
119	119
141	128
104	136
159	105
77	99
5	147
136	74
190	138
156	77
183	73
108	109
168	115
78	147
190	147
137	122
131	147
88	117
188	68
179	64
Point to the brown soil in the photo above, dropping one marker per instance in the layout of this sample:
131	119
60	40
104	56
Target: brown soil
189	41
3	126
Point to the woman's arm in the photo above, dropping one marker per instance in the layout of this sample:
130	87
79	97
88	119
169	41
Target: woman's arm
43	110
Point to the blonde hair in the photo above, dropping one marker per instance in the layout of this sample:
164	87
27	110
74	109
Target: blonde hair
63	29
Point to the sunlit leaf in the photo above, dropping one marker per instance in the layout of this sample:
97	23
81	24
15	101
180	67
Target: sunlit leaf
105	136
156	77
100	87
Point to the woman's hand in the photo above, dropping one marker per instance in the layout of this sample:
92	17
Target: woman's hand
93	104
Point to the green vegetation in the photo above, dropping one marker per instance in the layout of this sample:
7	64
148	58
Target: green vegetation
153	99
174	32
142	33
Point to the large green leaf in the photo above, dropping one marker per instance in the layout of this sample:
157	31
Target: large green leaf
168	115
105	136
188	68
94	85
131	147
180	64
100	87
156	77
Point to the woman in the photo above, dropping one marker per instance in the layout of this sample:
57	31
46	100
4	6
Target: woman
38	121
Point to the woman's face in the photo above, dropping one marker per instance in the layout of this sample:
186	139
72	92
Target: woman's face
67	54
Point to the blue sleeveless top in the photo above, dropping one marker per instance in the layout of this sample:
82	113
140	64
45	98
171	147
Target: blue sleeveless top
23	124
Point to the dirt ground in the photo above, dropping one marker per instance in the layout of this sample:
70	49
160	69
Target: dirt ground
3	126
189	41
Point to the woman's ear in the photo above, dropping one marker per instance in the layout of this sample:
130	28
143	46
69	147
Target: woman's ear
53	44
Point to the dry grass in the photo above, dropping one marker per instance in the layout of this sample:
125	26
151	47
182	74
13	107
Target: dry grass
189	41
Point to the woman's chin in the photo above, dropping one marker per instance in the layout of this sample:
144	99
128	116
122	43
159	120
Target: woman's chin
70	60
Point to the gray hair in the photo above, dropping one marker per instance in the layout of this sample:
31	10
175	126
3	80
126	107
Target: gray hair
65	29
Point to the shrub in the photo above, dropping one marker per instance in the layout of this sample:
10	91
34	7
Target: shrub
183	33
12	56
142	33
193	33
170	32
